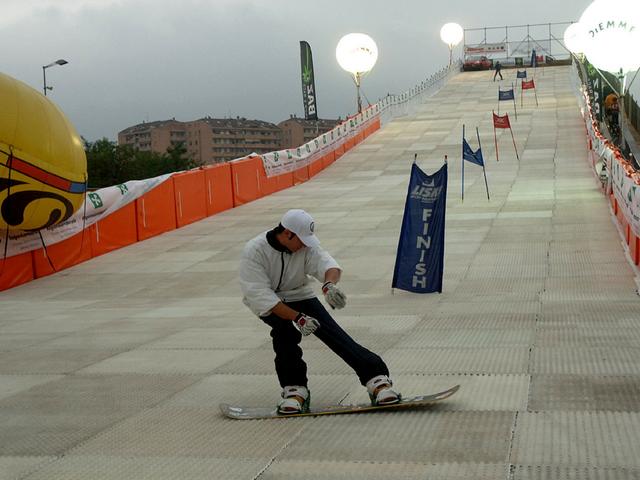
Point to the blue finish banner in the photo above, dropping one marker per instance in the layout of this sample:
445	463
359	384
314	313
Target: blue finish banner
420	257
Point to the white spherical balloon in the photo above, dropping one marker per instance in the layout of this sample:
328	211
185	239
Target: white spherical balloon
612	34
574	37
357	53
451	33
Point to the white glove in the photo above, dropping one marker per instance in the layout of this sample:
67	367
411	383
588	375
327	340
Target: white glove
334	295
305	324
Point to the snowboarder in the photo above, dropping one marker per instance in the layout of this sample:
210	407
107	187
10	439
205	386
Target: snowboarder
274	277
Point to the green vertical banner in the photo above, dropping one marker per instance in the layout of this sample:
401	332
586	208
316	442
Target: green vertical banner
308	82
594	90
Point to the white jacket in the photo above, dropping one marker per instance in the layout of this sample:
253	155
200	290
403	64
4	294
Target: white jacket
268	276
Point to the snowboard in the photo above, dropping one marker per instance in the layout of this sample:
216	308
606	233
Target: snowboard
406	403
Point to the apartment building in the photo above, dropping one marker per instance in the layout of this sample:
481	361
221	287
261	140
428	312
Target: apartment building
223	139
155	136
298	131
207	140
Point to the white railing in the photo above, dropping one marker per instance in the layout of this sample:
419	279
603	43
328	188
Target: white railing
407	103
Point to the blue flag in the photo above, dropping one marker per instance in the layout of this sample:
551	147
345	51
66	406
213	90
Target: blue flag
420	257
471	156
506	95
520	74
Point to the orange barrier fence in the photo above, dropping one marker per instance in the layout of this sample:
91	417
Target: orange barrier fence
633	241
269	185
246	180
349	144
16	270
184	198
219	190
315	167
328	159
190	197
61	255
373	126
115	231
156	211
301	175
634	248
615	196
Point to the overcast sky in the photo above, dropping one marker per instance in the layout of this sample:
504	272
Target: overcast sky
143	60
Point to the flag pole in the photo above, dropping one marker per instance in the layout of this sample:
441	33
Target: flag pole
495	138
514	101
498	99
514	142
535	91
484	171
463	162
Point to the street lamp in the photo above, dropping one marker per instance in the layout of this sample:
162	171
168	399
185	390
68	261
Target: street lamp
451	34
357	54
44	74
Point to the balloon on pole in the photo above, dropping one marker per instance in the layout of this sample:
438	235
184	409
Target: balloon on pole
451	34
611	35
573	38
357	53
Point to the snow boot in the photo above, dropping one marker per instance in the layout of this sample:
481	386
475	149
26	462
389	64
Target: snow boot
380	391
295	399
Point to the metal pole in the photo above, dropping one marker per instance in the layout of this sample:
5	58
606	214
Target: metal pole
464	44
495	136
462	183
44	80
506	39
357	78
484	170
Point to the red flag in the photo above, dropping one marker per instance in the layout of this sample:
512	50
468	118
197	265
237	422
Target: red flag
528	85
501	122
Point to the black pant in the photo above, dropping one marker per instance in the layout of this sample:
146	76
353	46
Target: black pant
291	368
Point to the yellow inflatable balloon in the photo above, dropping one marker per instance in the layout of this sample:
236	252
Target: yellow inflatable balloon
43	167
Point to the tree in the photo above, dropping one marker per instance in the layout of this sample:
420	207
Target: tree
110	164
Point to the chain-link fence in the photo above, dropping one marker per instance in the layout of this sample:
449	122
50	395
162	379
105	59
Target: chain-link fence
516	45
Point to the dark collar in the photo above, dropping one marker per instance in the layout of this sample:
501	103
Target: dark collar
273	241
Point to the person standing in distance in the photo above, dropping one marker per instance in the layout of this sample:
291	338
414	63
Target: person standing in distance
498	68
275	270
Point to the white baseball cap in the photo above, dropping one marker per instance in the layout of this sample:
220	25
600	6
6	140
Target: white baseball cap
301	223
